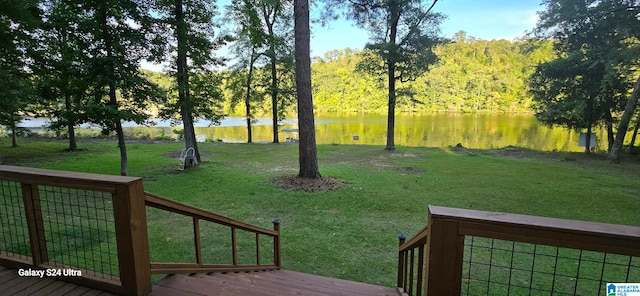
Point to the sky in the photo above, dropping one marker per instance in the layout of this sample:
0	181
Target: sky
484	19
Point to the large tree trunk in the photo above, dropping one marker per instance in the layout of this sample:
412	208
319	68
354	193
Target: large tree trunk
113	99
609	124
247	99
120	133
274	96
14	135
632	144
587	144
70	125
391	113
124	163
182	77
274	73
629	110
308	155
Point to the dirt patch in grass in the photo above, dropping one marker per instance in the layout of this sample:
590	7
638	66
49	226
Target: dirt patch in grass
512	152
411	170
525	153
295	183
403	154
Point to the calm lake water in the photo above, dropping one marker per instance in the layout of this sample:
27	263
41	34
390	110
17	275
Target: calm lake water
418	130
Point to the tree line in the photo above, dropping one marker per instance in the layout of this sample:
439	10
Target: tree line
593	77
78	61
471	75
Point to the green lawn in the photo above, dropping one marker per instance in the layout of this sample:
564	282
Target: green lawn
352	232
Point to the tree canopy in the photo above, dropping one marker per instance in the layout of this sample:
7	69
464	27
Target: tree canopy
185	37
18	19
597	45
402	36
78	61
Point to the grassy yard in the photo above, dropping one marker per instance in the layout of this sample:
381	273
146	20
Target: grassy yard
352	232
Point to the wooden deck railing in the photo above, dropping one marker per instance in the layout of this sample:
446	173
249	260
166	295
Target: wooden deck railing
94	225
198	215
410	272
437	268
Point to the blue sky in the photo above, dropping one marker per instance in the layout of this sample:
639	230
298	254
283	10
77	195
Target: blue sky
485	19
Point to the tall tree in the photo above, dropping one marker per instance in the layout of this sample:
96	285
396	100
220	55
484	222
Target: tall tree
278	35
192	39
606	35
241	81
403	34
249	38
59	67
118	91
568	92
264	26
307	150
18	20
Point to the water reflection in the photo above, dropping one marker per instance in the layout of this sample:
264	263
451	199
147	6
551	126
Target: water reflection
419	130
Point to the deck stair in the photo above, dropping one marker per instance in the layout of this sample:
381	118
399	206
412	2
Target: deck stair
264	283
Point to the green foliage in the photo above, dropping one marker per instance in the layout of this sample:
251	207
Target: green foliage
206	94
597	48
185	36
59	68
18	20
403	34
263	51
339	87
472	75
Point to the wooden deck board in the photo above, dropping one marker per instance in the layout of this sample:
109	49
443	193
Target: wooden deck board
310	283
266	283
258	285
355	288
11	284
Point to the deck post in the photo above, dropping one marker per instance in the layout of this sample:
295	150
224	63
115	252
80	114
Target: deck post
445	250
35	223
401	239
277	260
132	241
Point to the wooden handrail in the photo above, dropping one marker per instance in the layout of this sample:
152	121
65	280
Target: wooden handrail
96	182
197	214
156	201
591	236
442	242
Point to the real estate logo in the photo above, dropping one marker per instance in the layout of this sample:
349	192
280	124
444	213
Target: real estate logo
626	289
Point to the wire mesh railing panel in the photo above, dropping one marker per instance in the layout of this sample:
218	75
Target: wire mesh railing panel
498	267
79	229
14	233
170	236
